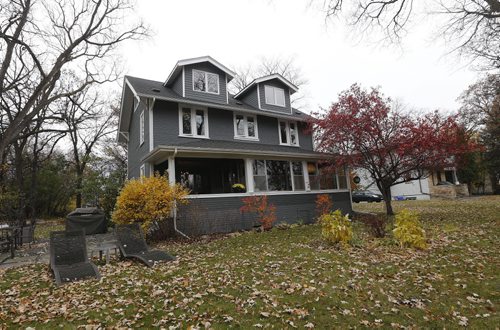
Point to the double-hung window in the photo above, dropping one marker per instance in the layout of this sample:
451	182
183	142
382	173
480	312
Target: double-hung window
205	82
275	95
288	132
193	122
245	127
141	128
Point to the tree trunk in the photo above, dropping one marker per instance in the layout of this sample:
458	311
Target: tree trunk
79	184
386	193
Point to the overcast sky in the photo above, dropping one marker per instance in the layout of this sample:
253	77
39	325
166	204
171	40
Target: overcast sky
239	32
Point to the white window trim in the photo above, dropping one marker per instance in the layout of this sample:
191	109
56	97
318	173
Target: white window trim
193	121
245	127
288	135
142	171
274	96
206	82
141	128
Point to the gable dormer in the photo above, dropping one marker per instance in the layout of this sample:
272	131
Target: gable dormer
201	78
269	93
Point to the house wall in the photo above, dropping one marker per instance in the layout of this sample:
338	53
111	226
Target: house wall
417	188
203	96
222	214
177	85
251	98
276	83
220	125
136	151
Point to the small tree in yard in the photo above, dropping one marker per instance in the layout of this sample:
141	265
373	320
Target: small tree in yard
365	131
266	212
148	200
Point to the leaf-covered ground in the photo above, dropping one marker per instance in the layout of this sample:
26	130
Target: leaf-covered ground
285	279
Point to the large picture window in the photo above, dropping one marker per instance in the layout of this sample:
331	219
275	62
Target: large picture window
272	175
275	95
245	126
288	132
298	176
205	82
210	176
193	122
323	178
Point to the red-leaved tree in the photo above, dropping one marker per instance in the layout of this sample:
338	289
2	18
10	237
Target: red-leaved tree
365	130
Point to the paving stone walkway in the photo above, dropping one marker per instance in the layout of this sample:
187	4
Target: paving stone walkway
39	251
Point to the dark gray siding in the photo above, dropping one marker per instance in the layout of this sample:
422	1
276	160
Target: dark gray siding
251	98
135	150
177	84
305	137
203	96
275	83
220	126
222	214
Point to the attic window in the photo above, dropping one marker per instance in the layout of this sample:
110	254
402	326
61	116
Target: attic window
275	95
205	82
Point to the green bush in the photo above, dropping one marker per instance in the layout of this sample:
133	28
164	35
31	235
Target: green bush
408	230
336	228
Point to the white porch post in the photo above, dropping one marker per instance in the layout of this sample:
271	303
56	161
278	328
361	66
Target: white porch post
306	176
249	174
171	170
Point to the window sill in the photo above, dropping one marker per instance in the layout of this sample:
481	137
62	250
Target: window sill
289	145
194	136
258	193
246	138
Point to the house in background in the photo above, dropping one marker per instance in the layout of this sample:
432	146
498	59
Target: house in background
192	129
438	183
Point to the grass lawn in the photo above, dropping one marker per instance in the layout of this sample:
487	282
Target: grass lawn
287	278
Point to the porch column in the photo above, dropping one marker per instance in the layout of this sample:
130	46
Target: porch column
306	176
171	170
249	174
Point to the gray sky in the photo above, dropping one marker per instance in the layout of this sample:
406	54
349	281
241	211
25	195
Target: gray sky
238	32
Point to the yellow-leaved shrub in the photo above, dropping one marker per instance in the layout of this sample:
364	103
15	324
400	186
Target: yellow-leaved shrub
408	231
148	200
336	228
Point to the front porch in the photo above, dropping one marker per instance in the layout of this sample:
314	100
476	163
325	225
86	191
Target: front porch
290	181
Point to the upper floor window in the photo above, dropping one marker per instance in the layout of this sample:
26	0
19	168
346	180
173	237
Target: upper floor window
193	122
245	127
288	133
141	128
205	82
275	95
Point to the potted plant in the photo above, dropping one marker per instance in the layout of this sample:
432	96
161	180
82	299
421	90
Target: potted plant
238	188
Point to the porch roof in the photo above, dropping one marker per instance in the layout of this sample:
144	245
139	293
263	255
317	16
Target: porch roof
232	149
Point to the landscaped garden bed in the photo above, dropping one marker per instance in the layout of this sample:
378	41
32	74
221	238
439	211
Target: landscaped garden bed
287	278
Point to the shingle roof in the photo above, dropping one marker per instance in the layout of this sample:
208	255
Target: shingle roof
151	88
237	148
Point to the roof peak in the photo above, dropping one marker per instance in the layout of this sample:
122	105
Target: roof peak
207	58
266	78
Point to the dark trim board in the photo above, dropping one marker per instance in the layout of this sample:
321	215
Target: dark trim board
212	215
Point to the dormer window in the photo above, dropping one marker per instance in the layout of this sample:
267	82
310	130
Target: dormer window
275	95
205	82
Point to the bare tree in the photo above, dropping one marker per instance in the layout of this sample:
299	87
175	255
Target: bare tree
284	66
43	43
88	119
472	27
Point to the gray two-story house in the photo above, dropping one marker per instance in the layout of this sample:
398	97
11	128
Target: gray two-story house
192	129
